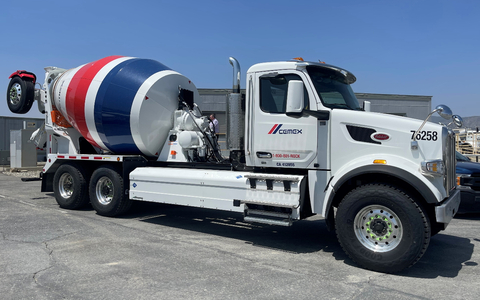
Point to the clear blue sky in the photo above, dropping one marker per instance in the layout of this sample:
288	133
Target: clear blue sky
421	47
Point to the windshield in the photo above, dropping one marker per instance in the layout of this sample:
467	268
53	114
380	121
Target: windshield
460	157
332	88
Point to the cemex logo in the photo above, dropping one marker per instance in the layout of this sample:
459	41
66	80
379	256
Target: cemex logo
276	129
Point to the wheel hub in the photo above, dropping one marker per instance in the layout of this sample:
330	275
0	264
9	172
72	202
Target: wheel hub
15	93
104	190
65	185
378	228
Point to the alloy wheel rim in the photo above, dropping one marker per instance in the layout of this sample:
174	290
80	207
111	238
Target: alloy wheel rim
378	228
104	190
15	93
66	185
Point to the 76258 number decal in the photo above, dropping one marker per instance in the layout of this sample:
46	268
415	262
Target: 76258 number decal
425	135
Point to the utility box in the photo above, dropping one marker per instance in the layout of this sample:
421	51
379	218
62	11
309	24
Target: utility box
23	152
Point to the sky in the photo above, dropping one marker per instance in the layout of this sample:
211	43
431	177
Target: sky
421	47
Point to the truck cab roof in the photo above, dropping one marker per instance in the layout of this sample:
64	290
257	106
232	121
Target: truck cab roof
295	64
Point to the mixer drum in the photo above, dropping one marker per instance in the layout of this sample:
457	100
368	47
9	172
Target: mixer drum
121	104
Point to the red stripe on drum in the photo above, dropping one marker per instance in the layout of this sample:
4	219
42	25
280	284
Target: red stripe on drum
76	92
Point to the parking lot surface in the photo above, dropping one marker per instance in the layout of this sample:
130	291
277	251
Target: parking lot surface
172	252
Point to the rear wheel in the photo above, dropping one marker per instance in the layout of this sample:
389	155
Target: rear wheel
381	228
20	95
107	193
70	187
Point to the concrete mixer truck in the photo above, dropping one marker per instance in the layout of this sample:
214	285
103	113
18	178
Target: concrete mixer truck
124	129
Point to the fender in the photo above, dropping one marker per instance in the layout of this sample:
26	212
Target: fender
24	74
394	171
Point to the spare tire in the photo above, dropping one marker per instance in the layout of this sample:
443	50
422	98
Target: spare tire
20	95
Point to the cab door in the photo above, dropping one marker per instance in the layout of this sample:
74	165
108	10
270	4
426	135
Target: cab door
273	138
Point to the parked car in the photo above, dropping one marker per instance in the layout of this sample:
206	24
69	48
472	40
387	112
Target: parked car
468	181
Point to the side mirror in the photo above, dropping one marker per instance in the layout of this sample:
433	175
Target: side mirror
457	120
444	111
295	98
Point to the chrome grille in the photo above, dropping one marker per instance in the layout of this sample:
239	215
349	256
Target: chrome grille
449	160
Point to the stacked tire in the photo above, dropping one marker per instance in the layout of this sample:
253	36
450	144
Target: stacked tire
20	94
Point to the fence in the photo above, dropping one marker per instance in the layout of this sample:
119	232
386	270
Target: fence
468	143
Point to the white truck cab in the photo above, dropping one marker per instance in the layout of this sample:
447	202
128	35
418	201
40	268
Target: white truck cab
326	132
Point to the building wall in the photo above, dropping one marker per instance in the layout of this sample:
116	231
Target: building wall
417	107
14	123
214	101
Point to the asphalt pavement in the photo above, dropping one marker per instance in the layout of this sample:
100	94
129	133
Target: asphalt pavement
162	251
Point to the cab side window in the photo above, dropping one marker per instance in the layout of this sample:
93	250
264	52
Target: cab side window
273	93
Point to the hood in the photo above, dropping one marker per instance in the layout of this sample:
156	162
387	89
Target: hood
366	118
464	167
381	135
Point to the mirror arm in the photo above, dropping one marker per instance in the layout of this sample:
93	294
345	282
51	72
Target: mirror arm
423	124
320	115
294	114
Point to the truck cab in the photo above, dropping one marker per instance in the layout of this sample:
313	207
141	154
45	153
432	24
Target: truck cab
303	115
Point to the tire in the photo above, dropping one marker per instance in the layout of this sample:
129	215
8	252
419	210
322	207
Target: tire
70	187
381	228
107	193
20	95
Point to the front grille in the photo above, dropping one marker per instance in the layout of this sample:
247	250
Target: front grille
472	182
449	181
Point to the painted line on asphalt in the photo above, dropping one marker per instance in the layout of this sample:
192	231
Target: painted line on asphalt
30	204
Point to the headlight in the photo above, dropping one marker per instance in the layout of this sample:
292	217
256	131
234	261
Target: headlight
459	178
434	167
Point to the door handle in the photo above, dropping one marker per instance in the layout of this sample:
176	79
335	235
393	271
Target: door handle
264	155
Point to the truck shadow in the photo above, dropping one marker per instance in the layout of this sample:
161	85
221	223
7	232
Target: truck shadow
445	256
303	237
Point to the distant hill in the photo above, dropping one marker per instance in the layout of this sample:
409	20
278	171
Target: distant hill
468	122
472	122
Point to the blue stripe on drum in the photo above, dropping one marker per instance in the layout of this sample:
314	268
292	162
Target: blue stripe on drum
114	100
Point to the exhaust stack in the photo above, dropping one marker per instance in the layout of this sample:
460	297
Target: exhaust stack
235	112
236	74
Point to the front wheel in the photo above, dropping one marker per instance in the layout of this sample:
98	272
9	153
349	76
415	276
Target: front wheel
381	228
107	194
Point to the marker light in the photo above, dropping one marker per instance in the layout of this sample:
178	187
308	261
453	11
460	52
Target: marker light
460	181
433	167
380	161
298	58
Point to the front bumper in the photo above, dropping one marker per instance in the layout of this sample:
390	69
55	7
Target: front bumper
470	200
445	212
